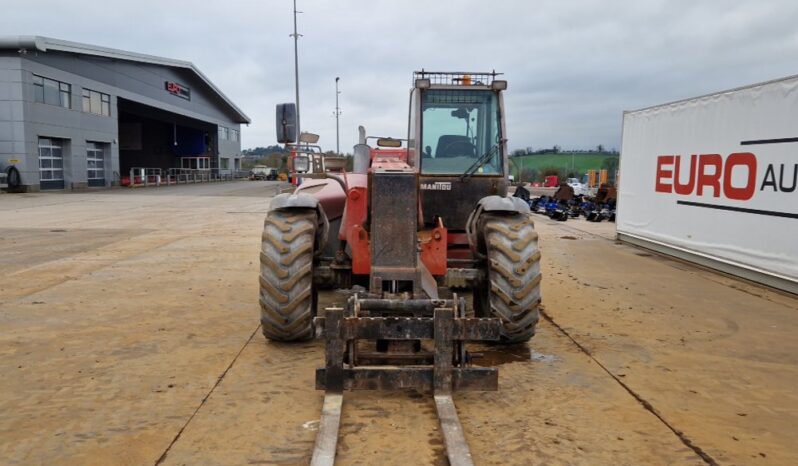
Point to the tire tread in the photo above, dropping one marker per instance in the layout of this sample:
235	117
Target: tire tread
287	297
514	274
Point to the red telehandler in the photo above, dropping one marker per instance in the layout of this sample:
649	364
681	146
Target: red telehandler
418	223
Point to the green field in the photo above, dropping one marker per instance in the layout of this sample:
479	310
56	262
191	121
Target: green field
578	163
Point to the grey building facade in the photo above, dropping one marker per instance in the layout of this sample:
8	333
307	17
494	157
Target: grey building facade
74	115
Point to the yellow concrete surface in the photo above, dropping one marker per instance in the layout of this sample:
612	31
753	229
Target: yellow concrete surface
129	336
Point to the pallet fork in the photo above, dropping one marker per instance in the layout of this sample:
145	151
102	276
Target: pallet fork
398	326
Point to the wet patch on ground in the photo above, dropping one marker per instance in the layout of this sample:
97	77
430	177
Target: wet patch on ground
497	355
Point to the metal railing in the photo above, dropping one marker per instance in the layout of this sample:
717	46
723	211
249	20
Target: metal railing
477	78
143	176
189	175
146	176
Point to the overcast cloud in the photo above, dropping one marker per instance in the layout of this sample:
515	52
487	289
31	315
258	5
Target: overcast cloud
572	67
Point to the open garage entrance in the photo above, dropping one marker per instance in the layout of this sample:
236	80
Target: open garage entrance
157	144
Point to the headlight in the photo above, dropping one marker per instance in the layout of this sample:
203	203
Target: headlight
301	163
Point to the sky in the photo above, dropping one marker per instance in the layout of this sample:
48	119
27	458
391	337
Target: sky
572	67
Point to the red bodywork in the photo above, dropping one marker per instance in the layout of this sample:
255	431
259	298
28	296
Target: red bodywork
551	182
386	158
352	207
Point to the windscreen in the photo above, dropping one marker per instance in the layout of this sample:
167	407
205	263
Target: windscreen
458	128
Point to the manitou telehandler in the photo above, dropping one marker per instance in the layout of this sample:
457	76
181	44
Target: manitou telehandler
418	220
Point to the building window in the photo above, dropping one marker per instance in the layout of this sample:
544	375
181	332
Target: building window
224	163
233	134
224	133
95	163
51	163
96	102
50	91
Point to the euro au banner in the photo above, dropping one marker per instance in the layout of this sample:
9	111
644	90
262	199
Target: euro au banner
717	176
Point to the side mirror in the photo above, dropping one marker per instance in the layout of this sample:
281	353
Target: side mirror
286	123
309	138
389	142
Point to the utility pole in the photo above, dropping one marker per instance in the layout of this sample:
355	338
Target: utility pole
337	113
295	35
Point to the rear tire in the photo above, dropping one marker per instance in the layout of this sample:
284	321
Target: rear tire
287	294
512	292
13	179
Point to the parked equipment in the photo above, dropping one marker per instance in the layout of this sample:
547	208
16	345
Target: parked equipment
10	179
557	210
262	172
412	226
551	181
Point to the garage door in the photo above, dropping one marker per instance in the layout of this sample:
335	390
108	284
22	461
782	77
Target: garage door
51	164
95	163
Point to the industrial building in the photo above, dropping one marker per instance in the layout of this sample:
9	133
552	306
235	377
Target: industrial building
74	116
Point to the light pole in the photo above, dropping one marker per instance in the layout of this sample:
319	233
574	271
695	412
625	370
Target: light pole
337	113
295	35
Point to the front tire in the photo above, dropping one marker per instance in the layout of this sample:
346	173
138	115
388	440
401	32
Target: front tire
287	294
512	292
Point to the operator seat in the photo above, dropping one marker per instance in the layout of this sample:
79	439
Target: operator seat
450	145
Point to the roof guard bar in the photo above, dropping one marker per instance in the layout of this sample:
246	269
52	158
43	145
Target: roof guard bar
478	78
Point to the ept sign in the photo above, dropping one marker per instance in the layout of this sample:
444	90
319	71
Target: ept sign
712	173
707	173
178	90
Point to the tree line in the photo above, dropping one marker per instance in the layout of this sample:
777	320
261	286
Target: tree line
556	149
263	151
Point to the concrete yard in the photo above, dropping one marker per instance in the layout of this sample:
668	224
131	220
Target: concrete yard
129	336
